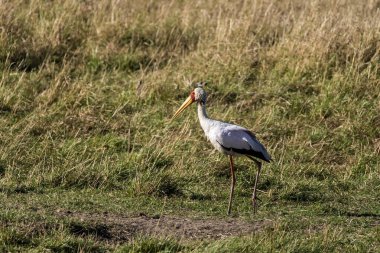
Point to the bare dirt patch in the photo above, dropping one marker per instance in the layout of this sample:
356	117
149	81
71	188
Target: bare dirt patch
118	228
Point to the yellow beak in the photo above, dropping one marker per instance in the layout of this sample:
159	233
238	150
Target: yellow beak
185	104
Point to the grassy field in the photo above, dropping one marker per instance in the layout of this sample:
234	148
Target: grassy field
90	161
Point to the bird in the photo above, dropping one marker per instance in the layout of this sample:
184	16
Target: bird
229	139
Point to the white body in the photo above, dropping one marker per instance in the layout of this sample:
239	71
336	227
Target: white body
231	139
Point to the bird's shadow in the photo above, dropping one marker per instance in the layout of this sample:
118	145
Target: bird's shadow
354	214
362	214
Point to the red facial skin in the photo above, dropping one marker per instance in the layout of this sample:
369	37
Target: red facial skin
192	95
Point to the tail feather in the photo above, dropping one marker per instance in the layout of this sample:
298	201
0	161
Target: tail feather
253	158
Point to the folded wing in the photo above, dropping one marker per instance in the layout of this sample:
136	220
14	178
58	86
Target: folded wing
241	141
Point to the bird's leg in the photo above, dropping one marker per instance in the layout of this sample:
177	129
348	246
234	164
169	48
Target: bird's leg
254	197
233	181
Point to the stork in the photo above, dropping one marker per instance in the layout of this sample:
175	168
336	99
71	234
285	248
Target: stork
229	139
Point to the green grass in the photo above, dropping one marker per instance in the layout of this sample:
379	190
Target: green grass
87	91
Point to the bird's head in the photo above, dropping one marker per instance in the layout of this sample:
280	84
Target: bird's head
198	95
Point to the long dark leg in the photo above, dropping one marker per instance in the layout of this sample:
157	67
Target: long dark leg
254	197
233	181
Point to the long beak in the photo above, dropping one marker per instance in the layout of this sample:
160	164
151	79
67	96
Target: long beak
185	104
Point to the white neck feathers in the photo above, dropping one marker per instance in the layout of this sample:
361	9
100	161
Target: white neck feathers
203	118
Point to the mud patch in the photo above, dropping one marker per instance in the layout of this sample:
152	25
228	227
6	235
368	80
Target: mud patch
124	228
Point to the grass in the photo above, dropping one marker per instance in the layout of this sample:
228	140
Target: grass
87	91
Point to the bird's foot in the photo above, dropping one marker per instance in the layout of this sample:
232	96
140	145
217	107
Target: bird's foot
254	204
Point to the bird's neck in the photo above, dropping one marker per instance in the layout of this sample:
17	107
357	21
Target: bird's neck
203	118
